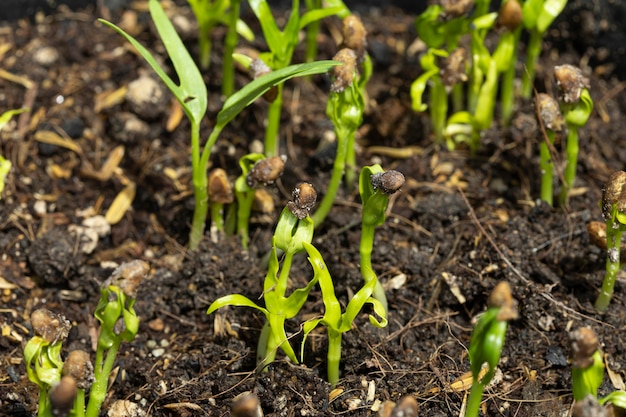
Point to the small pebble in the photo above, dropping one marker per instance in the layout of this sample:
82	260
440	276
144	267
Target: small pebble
147	97
158	352
46	56
125	408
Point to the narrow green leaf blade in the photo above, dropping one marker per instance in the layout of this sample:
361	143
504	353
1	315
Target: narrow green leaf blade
256	88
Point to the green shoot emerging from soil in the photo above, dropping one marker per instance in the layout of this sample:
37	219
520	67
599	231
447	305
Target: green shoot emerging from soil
576	106
118	323
192	95
42	354
282	44
293	231
538	15
62	386
552	121
336	322
588	370
345	109
255	170
487	342
375	187
614	212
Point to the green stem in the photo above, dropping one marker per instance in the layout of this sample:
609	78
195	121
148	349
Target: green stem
367	272
350	171
273	124
547	169
333	357
44	404
613	240
199	164
438	108
533	50
244	203
79	404
474	399
266	347
312	30
99	387
230	43
205	45
572	162
457	98
339	166
508	85
217	215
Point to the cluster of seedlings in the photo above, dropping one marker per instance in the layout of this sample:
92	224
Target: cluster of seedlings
446	67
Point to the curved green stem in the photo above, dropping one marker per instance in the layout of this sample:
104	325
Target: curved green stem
102	370
547	169
613	240
339	166
273	124
533	50
367	272
333	357
572	162
230	43
474	399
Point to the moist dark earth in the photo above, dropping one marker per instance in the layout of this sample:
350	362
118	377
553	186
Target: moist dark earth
462	223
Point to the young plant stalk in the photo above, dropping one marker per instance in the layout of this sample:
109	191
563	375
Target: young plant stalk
192	95
118	323
293	231
614	212
509	18
487	342
538	15
375	187
345	109
282	45
587	363
220	193
336	322
552	121
255	170
576	108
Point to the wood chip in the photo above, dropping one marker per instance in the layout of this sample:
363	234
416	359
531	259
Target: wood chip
109	98
53	138
121	204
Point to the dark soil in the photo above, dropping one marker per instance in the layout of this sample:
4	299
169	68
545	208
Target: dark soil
461	224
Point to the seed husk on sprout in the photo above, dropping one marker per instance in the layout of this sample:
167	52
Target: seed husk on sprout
62	396
304	198
388	182
571	82
266	171
78	366
510	15
550	112
354	35
51	327
343	75
614	192
220	188
584	345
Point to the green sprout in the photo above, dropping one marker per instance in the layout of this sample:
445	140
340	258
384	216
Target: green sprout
281	44
487	342
78	368
614	213
375	187
220	193
294	230
192	95
345	109
118	323
255	170
42	354
576	106
552	121
313	29
509	18
588	369
538	15
336	322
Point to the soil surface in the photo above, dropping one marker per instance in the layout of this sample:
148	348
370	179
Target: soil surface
461	224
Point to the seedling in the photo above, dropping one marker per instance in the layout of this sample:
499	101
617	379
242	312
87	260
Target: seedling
614	213
293	231
79	369
282	45
510	20
336	322
255	170
345	109
538	15
42	354
192	95
118	323
576	105
588	369
313	29
220	193
375	187
487	342
552	120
